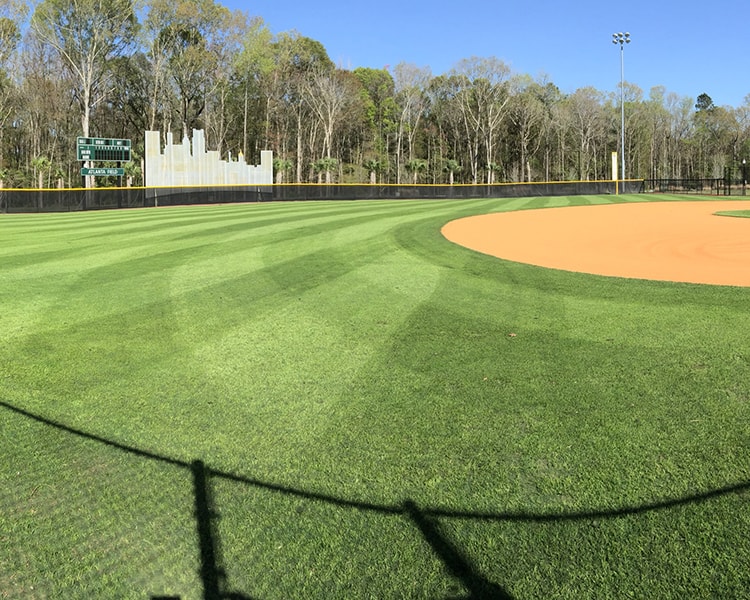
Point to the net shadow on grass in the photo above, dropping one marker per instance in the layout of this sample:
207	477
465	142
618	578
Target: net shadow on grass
425	519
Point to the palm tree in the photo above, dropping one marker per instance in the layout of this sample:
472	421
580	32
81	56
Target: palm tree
374	167
281	166
59	176
491	169
415	167
325	165
41	164
451	166
132	170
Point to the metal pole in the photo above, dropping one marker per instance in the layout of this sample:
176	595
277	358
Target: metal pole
622	111
622	39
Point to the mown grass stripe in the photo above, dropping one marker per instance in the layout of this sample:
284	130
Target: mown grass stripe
566	435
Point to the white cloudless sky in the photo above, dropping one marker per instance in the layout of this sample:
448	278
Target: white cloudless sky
688	47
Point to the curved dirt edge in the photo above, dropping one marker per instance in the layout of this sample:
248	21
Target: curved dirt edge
663	241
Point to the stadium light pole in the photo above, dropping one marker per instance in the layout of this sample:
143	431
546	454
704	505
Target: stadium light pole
622	39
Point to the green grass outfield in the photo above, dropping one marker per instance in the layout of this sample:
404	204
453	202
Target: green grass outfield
330	400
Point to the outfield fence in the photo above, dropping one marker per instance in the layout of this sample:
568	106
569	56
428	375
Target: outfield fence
66	200
727	186
713	187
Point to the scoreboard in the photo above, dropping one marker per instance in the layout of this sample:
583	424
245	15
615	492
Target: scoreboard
88	149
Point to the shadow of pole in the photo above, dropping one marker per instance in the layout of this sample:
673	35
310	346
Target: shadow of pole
212	574
458	565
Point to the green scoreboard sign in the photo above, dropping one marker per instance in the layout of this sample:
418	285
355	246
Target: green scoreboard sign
102	149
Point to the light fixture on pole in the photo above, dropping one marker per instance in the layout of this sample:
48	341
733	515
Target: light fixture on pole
622	39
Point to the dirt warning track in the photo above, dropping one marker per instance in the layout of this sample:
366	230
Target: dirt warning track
665	241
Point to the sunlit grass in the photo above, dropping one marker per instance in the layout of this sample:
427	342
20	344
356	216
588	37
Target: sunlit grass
380	413
735	213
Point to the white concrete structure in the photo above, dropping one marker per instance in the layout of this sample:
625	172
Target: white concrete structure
180	166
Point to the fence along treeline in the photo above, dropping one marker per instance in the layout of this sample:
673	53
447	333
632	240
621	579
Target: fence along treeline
175	65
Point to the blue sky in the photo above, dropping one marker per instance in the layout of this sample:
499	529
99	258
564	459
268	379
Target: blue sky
688	47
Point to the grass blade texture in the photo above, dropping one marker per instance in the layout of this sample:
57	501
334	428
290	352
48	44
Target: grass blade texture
330	400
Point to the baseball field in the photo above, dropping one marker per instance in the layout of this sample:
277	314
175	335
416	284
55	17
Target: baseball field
374	400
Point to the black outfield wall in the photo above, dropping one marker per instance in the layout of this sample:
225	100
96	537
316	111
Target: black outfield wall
66	200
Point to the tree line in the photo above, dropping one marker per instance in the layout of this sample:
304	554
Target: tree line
116	68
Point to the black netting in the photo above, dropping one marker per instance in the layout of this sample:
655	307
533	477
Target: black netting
110	198
66	200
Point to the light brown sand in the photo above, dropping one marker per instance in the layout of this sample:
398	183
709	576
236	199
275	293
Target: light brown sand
666	241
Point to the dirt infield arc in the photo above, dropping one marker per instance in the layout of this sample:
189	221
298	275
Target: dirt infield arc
664	241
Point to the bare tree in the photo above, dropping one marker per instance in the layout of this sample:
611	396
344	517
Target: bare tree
158	60
290	126
588	121
254	66
326	95
680	133
11	15
190	35
44	105
410	85
226	48
330	94
86	34
527	112
483	102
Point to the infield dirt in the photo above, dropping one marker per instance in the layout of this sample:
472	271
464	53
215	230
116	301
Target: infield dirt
664	241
